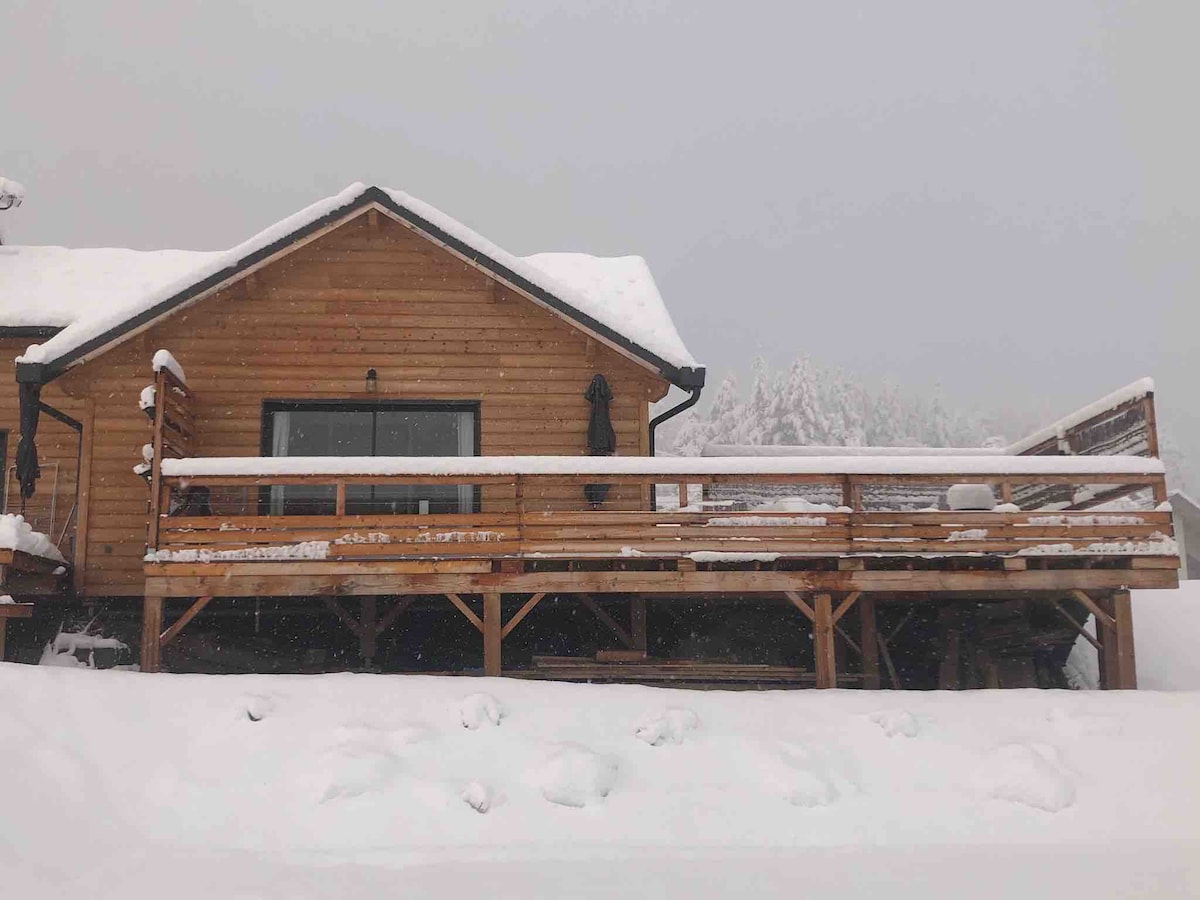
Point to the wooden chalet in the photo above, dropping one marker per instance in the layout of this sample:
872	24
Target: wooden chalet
369	410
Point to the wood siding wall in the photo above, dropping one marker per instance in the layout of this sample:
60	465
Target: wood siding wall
369	294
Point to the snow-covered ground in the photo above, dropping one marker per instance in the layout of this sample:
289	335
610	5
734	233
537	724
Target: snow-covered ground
117	784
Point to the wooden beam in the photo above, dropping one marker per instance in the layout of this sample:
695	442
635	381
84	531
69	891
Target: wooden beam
887	661
870	648
492	637
800	604
850	642
367	625
152	613
622	635
190	613
462	607
823	643
1079	629
845	605
1102	617
83	514
348	620
1118	663
637	622
390	617
521	613
357	577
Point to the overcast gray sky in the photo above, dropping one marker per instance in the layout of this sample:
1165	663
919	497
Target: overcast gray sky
998	198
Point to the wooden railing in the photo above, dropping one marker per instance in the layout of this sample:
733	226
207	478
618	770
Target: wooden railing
174	427
521	515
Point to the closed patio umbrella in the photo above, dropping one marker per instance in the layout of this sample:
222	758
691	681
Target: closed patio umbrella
601	439
27	455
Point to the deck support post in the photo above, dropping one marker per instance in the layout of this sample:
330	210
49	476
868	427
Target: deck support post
637	622
368	632
491	634
152	617
870	647
1118	665
823	644
3	636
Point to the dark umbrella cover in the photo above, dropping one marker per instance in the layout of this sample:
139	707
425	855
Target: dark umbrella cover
27	455
601	439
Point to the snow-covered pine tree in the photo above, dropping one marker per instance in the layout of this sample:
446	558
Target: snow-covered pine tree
812	404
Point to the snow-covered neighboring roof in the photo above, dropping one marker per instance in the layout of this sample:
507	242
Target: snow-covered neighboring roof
832	466
616	298
57	286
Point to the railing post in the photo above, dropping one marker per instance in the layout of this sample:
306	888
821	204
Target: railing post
340	498
683	494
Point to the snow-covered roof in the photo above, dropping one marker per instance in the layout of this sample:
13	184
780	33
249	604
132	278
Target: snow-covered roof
57	286
659	465
614	298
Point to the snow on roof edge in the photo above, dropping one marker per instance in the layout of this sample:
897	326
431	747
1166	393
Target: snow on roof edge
661	339
79	333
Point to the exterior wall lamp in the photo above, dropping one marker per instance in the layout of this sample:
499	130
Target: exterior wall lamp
372	381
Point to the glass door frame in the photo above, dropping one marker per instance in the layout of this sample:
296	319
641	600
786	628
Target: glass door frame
272	406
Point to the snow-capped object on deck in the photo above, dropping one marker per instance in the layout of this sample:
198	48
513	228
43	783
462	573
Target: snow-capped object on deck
17	534
164	360
611	297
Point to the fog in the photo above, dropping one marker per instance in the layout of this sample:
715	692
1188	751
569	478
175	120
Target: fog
1000	200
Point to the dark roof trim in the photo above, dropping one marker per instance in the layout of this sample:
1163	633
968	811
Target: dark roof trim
29	331
684	377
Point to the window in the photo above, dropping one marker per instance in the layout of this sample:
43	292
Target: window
319	428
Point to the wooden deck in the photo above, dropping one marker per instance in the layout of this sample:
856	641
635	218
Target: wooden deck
522	545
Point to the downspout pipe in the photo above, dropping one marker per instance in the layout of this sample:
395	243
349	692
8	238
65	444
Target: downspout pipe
692	399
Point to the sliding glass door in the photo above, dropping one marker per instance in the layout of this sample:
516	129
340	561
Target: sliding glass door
319	428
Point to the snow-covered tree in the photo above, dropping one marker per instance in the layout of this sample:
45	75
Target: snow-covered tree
812	404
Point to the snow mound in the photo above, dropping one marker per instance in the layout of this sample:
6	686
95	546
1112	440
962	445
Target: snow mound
668	727
359	761
480	709
478	796
575	776
897	722
1028	774
807	777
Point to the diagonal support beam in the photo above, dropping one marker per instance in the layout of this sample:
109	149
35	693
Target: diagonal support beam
845	605
348	620
192	611
521	614
1102	617
390	617
622	635
1083	632
461	604
801	605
